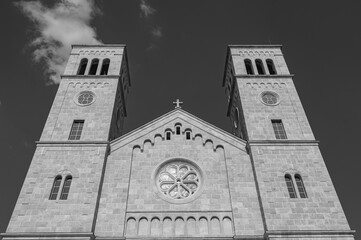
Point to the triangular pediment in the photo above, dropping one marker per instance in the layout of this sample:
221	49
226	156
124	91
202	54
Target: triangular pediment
156	128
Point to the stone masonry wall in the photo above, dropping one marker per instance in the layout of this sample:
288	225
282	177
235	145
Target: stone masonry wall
228	193
34	212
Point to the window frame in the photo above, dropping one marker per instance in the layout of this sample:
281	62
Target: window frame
105	67
249	66
82	66
279	129
260	67
75	134
271	67
94	67
54	192
66	188
300	186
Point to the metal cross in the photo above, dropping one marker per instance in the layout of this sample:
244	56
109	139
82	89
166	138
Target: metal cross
178	103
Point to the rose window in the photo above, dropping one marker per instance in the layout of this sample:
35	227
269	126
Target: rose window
269	98
178	180
85	98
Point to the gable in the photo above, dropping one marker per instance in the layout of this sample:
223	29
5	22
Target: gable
200	131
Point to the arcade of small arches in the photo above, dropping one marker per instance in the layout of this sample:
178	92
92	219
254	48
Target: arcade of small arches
179	226
260	67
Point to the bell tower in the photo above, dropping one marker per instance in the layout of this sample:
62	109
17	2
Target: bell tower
295	191
60	195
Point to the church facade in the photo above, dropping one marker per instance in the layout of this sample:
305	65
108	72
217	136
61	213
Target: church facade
177	177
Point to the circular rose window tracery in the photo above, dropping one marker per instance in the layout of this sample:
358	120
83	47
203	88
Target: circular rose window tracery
85	98
269	98
178	180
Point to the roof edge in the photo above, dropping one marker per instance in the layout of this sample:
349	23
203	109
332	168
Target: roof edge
97	45
169	113
256	46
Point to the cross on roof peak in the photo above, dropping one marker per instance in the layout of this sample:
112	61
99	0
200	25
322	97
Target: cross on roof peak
177	103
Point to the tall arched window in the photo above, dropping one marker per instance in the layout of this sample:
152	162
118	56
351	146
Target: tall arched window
82	66
94	66
55	188
249	67
105	67
300	186
290	186
271	67
167	135
260	67
66	188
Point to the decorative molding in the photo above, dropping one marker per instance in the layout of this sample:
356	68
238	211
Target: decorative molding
247	237
90	76
283	142
308	233
72	142
265	76
46	234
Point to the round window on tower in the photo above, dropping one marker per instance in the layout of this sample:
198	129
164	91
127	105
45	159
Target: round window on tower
269	98
178	180
85	98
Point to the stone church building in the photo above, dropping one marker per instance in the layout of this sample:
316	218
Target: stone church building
177	177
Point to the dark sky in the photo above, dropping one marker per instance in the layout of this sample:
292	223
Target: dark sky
321	43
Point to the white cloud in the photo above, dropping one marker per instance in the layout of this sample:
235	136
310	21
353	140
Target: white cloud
57	28
157	32
146	9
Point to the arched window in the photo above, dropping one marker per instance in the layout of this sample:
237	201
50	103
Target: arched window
66	188
260	67
94	66
55	188
300	186
249	67
290	186
188	135
271	67
167	135
178	130
105	67
82	66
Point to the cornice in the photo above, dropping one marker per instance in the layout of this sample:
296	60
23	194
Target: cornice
98	45
74	142
265	76
290	233
46	234
282	142
89	76
255	46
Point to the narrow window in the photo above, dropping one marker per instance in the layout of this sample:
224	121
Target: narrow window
177	130
76	130
82	66
167	135
271	67
279	130
259	66
188	135
66	188
249	67
105	67
300	186
290	186
55	188
94	66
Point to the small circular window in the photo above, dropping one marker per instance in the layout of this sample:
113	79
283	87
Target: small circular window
270	98
85	98
178	181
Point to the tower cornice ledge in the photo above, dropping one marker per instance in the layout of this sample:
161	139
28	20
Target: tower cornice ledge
299	233
256	46
89	76
47	235
264	76
98	45
72	142
247	237
282	142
